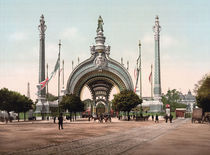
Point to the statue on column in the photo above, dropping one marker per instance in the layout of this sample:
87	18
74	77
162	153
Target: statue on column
100	25
42	27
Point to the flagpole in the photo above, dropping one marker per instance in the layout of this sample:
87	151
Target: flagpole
63	74
151	84
47	83
59	75
140	84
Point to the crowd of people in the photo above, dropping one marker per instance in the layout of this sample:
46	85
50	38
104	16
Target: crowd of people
107	118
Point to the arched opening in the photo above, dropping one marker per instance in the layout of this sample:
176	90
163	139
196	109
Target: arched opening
100	108
98	91
85	93
115	90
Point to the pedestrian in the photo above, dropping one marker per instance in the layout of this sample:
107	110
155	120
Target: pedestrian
166	117
152	117
171	117
70	117
54	118
156	118
60	121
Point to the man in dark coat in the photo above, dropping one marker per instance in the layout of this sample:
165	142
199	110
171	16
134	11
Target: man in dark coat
156	119
171	117
60	121
166	117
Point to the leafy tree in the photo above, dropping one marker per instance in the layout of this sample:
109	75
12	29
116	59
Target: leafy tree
26	105
51	97
203	94
54	111
17	101
72	103
173	98
125	101
6	100
14	101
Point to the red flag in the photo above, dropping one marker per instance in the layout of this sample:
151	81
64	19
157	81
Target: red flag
150	77
43	83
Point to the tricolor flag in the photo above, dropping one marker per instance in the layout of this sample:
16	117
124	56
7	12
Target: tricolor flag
44	83
56	67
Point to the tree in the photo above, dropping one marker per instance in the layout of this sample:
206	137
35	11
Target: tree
54	111
14	101
51	97
125	101
173	98
26	105
6	100
72	103
203	94
17	100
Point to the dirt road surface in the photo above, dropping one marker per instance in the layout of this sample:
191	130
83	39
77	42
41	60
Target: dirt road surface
83	137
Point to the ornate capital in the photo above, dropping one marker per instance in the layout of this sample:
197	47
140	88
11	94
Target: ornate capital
156	28
42	27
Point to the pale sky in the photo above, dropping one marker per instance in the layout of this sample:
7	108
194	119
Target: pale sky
184	47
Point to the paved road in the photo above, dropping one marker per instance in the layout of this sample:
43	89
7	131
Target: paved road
116	143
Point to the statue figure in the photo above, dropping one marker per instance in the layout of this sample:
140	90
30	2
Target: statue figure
100	25
42	27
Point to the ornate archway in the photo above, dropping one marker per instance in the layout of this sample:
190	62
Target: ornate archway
99	73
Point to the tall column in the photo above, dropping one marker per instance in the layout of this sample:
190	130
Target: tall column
157	80
42	28
151	83
28	90
47	83
140	70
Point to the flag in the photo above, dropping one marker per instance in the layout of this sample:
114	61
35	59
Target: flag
150	77
44	83
57	64
55	68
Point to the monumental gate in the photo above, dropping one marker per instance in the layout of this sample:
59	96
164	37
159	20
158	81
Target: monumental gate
99	73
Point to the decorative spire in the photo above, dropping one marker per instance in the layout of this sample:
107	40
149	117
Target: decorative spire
156	28
100	39
99	47
42	27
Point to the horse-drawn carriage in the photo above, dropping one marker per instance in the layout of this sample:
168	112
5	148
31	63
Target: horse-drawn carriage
198	115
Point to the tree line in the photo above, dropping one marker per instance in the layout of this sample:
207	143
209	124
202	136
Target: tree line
202	90
14	101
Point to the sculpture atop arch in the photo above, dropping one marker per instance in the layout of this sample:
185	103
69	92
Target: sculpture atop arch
99	73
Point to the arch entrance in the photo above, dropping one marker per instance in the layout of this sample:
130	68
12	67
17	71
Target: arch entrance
100	108
100	74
